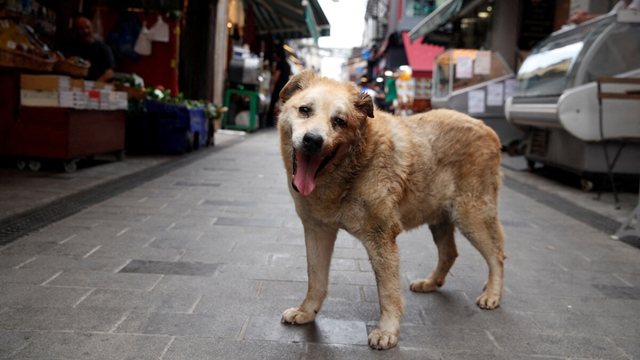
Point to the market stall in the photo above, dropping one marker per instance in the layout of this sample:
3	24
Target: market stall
58	106
48	111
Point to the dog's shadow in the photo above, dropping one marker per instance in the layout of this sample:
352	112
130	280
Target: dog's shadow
327	331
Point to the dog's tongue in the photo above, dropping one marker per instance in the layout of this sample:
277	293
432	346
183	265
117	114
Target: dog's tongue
305	176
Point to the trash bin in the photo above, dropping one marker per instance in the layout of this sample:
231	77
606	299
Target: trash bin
243	110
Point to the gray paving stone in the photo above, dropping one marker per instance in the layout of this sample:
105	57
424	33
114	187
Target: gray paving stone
322	330
629	345
12	342
211	287
226	256
25	247
217	326
170	268
548	344
257	272
78	345
105	280
122	251
33	276
189	348
296	290
252	222
8	261
13	295
91	263
572	322
286	259
59	319
445	338
356	352
149	301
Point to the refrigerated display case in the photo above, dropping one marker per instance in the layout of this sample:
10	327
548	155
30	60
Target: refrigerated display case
560	102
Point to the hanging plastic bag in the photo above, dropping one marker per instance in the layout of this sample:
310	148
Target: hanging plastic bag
159	31
143	43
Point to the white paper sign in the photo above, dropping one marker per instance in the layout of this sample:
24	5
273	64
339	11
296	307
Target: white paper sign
482	64
511	86
476	102
464	68
495	94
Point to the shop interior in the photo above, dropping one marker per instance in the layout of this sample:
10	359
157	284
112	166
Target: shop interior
56	110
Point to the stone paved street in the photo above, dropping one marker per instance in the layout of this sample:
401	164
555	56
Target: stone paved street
200	261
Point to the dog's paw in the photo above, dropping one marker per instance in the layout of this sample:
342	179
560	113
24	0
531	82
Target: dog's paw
424	285
297	316
488	301
382	340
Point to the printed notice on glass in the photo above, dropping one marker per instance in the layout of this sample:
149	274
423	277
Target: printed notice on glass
464	68
482	64
510	87
476	102
495	94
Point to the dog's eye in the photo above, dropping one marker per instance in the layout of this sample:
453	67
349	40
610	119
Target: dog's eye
338	122
304	110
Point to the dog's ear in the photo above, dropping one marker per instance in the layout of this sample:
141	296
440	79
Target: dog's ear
364	104
297	83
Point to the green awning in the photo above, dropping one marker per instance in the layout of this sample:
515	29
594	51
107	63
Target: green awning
436	19
290	19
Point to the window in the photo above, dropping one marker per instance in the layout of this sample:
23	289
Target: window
419	8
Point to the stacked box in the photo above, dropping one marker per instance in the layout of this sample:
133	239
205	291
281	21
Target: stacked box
93	99
42	90
119	100
54	83
74	99
63	91
39	98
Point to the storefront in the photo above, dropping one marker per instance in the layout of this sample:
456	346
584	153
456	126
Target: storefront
174	68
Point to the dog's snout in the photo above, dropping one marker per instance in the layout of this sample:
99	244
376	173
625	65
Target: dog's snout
312	143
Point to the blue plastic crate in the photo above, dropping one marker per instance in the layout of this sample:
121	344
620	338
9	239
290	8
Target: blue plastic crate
178	129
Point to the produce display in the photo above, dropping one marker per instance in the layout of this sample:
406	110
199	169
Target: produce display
20	47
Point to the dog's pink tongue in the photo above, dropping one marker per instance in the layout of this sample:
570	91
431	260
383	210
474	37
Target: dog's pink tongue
305	177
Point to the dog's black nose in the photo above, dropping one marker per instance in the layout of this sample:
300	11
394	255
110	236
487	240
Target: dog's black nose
312	143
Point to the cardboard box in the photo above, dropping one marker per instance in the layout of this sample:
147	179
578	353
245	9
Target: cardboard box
93	99
76	85
45	82
39	98
73	99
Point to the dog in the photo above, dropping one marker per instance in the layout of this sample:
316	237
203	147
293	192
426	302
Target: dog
351	166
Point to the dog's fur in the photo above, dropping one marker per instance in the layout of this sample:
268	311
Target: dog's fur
356	168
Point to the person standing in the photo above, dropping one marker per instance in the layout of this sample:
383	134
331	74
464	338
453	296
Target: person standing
279	77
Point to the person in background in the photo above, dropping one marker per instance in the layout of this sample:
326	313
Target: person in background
87	46
279	76
391	93
581	16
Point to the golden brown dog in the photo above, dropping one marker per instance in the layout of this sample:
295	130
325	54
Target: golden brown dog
374	175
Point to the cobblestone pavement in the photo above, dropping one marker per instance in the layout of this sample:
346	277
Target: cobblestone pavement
199	263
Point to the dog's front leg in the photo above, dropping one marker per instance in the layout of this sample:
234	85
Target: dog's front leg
319	240
383	253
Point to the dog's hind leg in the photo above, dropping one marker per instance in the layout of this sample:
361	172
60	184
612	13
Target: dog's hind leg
319	241
482	228
447	253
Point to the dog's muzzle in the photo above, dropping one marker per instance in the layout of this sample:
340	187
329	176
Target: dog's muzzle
308	160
